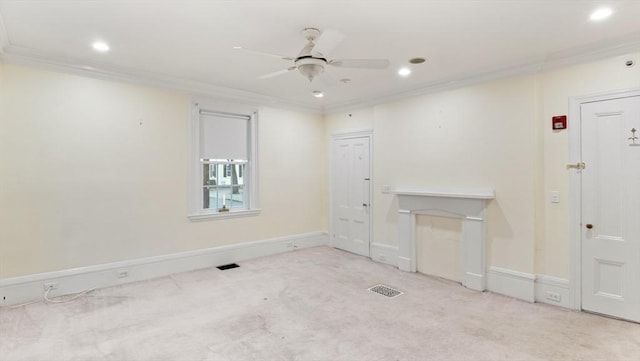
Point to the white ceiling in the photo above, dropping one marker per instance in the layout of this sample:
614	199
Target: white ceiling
189	43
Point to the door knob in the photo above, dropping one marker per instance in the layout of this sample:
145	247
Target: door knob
589	225
579	165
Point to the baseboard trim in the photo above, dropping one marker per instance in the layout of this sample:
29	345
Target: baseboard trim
507	282
384	253
17	290
524	286
474	281
554	291
23	289
511	283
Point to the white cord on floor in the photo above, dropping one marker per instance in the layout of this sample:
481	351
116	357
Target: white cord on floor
46	298
75	296
23	304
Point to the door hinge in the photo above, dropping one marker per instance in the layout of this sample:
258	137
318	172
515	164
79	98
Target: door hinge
579	166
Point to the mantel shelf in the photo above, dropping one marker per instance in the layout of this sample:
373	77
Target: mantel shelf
470	193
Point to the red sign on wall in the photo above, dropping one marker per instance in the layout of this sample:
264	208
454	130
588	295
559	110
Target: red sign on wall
559	122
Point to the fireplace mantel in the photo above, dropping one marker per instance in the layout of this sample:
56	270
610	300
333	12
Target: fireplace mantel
472	193
468	204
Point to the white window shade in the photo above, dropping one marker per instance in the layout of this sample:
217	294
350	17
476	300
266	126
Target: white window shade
224	136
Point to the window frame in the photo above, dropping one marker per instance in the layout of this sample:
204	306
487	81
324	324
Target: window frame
196	212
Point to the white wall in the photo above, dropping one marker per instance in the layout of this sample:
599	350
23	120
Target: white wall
95	171
83	183
496	134
480	136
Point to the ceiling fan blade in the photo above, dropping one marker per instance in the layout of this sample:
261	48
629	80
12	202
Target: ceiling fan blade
276	73
327	41
258	52
360	63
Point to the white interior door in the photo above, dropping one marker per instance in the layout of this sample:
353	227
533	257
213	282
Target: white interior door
350	195
610	237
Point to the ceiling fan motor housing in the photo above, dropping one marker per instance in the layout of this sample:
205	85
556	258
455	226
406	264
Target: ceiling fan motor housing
311	34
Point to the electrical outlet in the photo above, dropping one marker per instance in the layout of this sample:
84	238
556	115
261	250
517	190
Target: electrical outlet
290	245
553	296
382	258
123	273
50	286
385	189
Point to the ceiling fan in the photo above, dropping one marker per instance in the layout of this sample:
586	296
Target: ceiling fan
312	59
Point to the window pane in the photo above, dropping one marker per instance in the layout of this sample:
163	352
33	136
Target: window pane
212	172
224	185
237	197
210	200
237	172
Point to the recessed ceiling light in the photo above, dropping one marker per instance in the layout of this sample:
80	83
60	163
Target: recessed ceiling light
317	94
417	60
101	46
404	72
345	80
601	14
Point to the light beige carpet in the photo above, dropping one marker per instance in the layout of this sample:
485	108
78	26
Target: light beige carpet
307	305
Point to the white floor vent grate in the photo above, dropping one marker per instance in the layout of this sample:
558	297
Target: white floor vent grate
385	291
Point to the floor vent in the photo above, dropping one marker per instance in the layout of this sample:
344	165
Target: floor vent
385	291
228	266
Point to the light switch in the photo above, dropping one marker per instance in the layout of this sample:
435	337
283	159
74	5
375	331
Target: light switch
555	197
386	189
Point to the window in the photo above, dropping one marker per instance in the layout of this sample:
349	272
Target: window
223	157
223	189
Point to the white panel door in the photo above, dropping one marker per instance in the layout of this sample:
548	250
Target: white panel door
610	240
350	195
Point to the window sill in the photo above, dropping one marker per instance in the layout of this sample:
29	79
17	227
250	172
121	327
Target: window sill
219	215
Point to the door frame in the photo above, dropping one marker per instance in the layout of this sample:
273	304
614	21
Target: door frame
575	185
342	136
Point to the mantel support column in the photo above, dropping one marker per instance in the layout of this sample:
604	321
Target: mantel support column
473	251
406	241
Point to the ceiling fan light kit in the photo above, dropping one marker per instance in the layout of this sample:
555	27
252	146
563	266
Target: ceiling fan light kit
310	67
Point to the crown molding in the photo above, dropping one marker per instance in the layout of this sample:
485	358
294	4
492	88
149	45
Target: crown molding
592	52
25	56
574	56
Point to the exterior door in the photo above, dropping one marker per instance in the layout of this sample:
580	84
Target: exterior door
610	210
350	192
